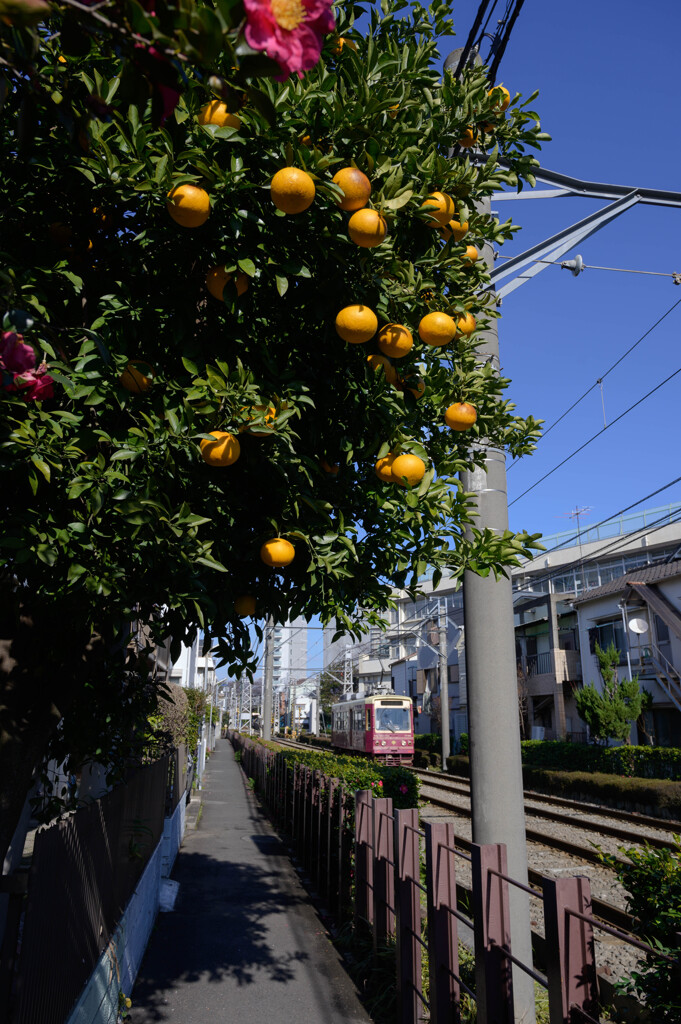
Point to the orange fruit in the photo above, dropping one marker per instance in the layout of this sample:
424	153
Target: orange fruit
441	208
270	416
416	385
409	467
384	468
342	42
216	112
292	190
306	141
501	98
437	329
217	278
137	377
455	229
356	188
277	552
395	340
377	362
466	324
392	112
245	605
223	451
460	416
471	254
328	468
356	324
188	205
468	139
367	228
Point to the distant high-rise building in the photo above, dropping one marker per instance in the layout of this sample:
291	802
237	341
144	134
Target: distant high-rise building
290	652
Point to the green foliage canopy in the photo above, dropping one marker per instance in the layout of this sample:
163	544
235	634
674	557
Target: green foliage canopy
610	714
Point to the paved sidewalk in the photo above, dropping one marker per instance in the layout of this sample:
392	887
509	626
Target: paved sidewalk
244	943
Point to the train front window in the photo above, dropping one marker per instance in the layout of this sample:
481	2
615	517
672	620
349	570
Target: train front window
392	719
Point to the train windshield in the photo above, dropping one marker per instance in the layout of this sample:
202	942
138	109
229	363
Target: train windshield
392	719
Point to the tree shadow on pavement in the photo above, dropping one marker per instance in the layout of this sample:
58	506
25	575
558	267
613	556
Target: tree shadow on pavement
226	928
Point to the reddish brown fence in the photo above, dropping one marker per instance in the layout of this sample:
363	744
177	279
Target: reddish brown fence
83	871
386	855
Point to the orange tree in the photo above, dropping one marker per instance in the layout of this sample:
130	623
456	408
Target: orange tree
175	391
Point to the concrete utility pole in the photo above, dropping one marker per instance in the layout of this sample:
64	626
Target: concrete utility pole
268	674
495	762
444	681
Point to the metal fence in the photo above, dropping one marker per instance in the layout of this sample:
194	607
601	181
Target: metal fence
83	871
336	832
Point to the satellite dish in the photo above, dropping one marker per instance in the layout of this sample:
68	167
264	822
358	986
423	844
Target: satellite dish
638	626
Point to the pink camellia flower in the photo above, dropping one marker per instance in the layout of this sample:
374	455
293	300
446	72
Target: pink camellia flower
289	31
404	788
35	385
15	355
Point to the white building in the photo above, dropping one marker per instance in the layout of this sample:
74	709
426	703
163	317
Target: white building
193	671
290	653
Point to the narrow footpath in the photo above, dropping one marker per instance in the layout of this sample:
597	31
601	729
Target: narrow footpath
243	943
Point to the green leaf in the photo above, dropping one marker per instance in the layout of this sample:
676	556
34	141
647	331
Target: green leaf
282	284
41	466
211	563
248	267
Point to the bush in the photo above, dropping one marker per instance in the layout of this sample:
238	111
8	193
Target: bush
463	744
650	873
458	764
355	773
642	762
661	795
430	741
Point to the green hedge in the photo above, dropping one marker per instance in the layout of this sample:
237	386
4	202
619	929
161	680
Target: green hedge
639	762
323	742
430	741
426	759
398	783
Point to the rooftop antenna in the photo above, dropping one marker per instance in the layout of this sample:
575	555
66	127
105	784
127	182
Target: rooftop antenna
575	514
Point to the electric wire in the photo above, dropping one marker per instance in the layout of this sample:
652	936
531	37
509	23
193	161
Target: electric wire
597	434
472	36
614	545
604	375
499	52
590	266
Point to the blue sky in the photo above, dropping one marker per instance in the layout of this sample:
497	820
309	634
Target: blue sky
608	80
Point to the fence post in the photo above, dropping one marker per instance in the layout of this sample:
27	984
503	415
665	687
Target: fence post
313	843
408	913
320	865
383	870
331	787
443	939
364	863
491	918
344	856
570	960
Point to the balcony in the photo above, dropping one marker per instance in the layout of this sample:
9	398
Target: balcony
542	672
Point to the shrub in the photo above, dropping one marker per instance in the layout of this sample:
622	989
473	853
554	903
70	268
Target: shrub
430	741
642	762
463	744
652	872
664	795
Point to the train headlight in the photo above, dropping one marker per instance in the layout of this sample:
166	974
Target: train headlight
382	743
404	743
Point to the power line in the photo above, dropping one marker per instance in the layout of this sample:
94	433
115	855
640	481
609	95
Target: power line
472	36
559	570
618	270
500	48
597	434
603	376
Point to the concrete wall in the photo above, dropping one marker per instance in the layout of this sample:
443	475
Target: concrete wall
118	965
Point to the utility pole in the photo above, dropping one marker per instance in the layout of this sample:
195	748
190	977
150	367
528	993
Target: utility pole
268	674
497	803
444	681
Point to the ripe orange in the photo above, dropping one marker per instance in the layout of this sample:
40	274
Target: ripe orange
277	552
460	416
356	188
441	210
306	141
455	229
392	112
245	605
137	377
471	254
437	329
342	42
223	451
395	340
384	468
377	362
356	324
188	205
292	190
367	228
466	324
418	391
410	468
270	416
216	112
468	139
501	98
217	278
328	468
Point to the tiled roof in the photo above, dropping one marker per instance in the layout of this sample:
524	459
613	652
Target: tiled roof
646	574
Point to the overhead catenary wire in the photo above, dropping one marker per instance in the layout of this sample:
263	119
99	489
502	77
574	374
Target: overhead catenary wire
617	270
596	435
602	377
